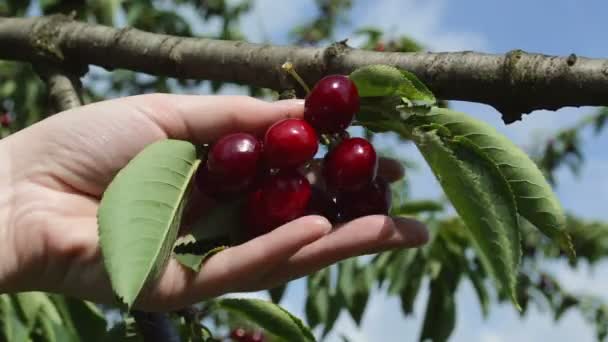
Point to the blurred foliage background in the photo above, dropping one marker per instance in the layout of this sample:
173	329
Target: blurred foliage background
446	262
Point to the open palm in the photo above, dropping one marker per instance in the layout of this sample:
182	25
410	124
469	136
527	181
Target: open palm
54	173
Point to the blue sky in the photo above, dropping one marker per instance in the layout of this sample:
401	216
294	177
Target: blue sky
552	27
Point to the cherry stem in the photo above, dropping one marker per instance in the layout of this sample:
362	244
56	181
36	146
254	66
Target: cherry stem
289	68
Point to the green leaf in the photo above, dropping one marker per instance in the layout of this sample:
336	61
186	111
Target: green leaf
210	234
82	318
417	207
414	274
387	81
363	283
270	317
276	293
533	195
397	270
354	284
194	254
11	327
346	280
482	197
33	305
51	331
480	288
317	304
440	316
140	213
335	306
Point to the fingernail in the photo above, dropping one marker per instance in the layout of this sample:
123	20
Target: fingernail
294	102
415	231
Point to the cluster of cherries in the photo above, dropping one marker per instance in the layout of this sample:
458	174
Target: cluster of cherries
242	335
270	171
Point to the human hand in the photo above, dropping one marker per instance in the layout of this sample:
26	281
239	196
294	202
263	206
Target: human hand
53	174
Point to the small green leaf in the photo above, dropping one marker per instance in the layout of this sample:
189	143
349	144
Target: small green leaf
82	318
193	254
387	81
33	305
480	288
363	283
210	234
440	316
335	307
140	212
11	327
270	317
346	280
417	207
354	284
482	197
276	293
414	274
317	304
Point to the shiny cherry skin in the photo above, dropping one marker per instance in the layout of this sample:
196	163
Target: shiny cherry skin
232	165
289	143
332	103
279	198
373	199
350	165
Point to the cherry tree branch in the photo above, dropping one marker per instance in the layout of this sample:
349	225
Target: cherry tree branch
515	83
64	88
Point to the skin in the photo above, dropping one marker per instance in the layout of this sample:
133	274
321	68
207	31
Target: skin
53	173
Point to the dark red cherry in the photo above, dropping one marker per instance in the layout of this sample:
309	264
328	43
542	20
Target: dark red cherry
289	143
238	334
232	165
324	204
350	165
373	199
332	104
5	120
279	199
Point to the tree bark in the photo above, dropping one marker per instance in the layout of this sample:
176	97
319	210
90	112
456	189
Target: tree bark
64	88
515	83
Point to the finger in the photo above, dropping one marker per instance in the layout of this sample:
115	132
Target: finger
236	268
369	234
203	119
390	169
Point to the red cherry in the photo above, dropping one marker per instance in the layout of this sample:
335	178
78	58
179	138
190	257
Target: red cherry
350	165
324	204
5	120
373	199
257	336
279	199
232	164
332	104
238	334
290	143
